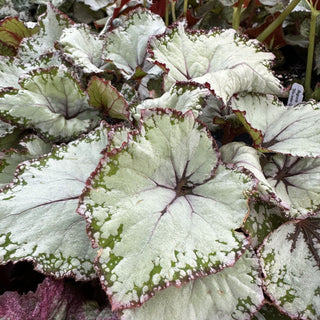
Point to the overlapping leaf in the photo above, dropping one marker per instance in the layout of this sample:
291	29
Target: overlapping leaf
33	147
291	263
52	102
12	69
295	181
264	218
277	128
233	293
51	24
126	46
38	210
107	99
84	48
157	209
225	60
182	97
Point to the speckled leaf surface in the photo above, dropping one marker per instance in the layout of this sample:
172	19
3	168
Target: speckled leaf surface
182	97
83	47
51	24
228	62
38	210
290	259
278	128
32	147
52	102
263	219
295	181
209	297
158	211
106	98
11	69
126	45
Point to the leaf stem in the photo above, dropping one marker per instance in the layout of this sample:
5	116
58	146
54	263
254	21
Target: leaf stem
236	15
185	7
173	12
276	23
167	13
312	34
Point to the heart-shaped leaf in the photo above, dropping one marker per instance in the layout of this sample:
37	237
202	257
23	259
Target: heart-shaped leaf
277	128
38	210
227	61
290	259
158	209
208	297
52	102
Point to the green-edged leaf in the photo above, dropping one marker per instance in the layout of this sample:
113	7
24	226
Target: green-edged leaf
54	299
12	69
107	99
263	218
51	25
52	102
295	181
126	46
226	60
233	293
33	147
12	31
84	48
182	97
159	212
290	258
277	128
38	210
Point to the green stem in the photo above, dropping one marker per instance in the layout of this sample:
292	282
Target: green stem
312	34
236	15
173	11
276	23
185	7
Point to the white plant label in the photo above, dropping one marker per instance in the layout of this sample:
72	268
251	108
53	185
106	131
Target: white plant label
295	94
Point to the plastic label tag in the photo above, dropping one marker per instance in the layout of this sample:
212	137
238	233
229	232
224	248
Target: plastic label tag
295	94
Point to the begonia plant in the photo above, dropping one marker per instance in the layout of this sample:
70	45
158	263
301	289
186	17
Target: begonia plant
121	165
